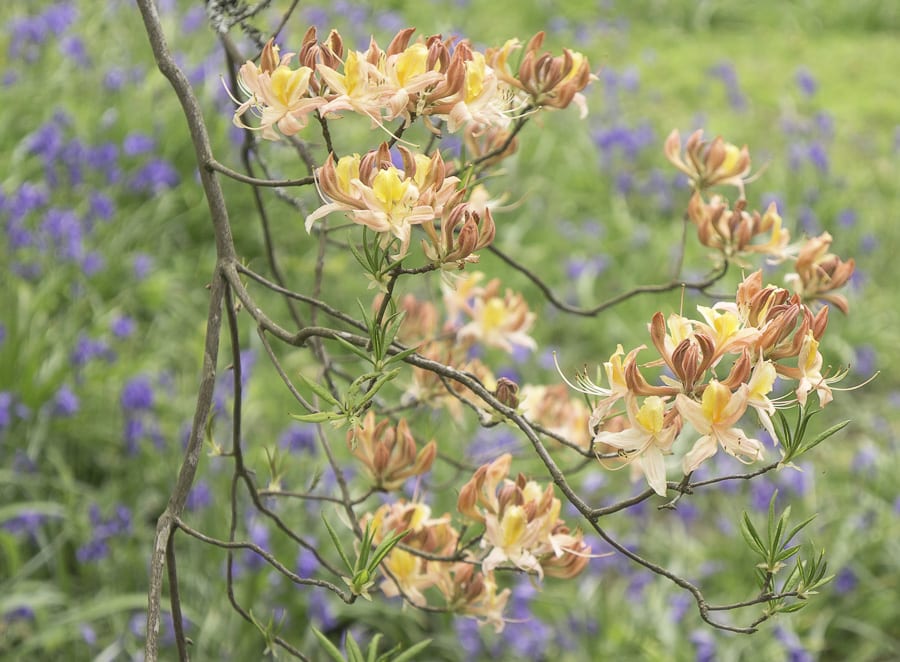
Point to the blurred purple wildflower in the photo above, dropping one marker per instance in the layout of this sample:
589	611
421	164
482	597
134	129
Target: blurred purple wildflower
155	176
92	263
141	265
122	326
20	613
806	82
65	402
865	360
193	19
491	443
137	394
794	648
73	48
845	581
6	409
26	523
299	438
199	497
138	143
704	645
320	611
86	349
104	529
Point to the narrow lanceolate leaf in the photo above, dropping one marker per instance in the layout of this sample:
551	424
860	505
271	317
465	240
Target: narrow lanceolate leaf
317	417
337	544
320	390
333	652
350	347
751	536
354	654
385	547
372	650
411	652
822	436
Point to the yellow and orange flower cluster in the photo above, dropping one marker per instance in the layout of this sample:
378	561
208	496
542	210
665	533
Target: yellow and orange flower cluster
389	454
433	78
375	193
430	562
522	524
717	369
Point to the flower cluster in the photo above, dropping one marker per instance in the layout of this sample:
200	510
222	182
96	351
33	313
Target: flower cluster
717	369
376	194
522	524
522	528
430	562
436	79
389	454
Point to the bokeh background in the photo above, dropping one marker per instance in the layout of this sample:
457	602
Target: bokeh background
106	249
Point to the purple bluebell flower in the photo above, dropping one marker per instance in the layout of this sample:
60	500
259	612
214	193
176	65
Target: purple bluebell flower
88	634
155	177
299	438
138	143
320	611
20	613
104	158
866	459
137	394
865	360
490	443
193	19
91	551
307	563
845	581
26	523
122	326
141	264
806	82
92	263
86	349
818	156
46	142
132	434
6	409
73	47
199	497
258	533
101	206
704	646
847	218
468	636
65	402
64	230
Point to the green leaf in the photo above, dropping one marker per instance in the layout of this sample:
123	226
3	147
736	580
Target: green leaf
385	547
372	650
317	417
350	347
751	536
337	544
354	654
822	436
320	390
412	651
329	647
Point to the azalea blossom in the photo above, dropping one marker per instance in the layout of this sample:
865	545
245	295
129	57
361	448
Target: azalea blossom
279	95
647	440
713	417
498	321
375	193
709	163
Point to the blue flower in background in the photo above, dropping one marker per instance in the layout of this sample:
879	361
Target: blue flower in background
137	394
